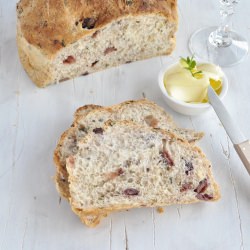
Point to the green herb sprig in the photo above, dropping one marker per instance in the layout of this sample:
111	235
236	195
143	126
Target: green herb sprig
190	64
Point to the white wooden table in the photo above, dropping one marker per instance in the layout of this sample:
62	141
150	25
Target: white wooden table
31	120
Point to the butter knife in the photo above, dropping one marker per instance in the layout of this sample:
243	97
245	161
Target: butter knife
241	144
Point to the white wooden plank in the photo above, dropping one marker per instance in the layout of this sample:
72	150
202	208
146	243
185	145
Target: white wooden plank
10	121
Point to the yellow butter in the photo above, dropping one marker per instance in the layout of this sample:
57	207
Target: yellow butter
181	85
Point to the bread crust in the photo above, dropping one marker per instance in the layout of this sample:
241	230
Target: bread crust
37	66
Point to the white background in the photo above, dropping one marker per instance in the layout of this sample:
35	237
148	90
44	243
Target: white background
32	119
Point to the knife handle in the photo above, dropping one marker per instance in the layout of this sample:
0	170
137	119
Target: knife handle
243	150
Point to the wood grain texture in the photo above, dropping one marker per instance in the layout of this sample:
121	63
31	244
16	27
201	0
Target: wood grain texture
33	217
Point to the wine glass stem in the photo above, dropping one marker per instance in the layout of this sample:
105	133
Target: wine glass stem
222	36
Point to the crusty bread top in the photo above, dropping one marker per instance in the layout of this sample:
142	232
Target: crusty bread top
51	25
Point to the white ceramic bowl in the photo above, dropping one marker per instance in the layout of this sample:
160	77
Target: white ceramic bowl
183	107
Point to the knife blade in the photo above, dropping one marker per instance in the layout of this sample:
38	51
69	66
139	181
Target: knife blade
227	121
241	144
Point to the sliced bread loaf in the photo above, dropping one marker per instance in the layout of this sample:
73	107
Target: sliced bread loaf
60	39
125	165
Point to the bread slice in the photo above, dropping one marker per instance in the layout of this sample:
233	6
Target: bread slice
77	37
92	116
125	165
142	111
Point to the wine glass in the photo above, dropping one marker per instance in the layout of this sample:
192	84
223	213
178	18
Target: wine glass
220	45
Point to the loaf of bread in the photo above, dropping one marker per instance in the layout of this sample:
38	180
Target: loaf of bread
59	40
125	165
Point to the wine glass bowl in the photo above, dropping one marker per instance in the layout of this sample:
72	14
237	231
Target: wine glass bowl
220	45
